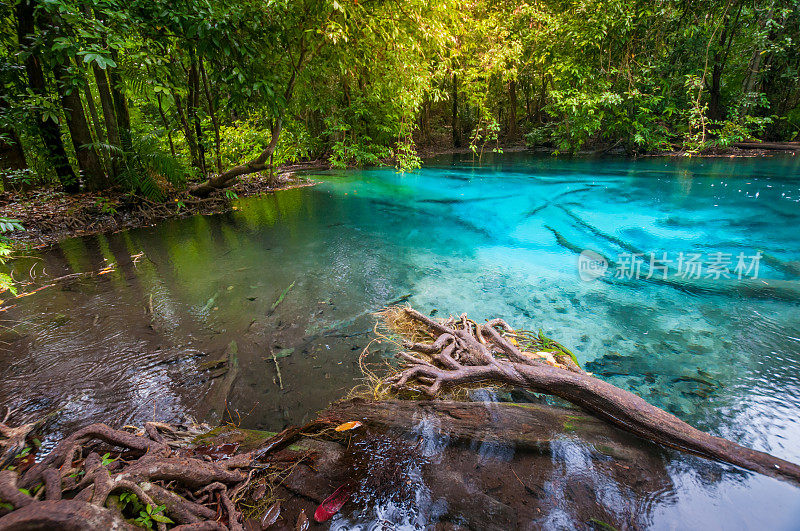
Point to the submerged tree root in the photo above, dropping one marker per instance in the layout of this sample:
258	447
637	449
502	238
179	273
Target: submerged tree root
73	487
464	352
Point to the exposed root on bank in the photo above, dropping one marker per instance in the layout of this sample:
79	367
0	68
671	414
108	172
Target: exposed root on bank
456	352
74	487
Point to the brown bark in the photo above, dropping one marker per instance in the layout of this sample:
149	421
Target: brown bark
78	126
109	116
120	106
191	142
96	127
65	515
192	105
12	157
461	356
512	110
530	427
260	163
167	128
48	129
193	489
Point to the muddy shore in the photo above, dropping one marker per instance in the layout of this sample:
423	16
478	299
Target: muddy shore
50	215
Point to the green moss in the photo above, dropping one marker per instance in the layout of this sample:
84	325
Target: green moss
247	439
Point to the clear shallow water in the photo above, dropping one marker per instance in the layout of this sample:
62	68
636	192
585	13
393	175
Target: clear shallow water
491	239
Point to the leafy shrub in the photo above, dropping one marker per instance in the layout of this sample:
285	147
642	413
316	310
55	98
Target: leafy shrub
150	170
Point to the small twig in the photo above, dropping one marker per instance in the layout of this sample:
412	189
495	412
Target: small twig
278	370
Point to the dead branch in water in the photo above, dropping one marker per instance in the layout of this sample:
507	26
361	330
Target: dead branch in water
457	352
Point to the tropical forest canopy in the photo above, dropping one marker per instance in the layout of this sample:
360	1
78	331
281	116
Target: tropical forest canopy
149	94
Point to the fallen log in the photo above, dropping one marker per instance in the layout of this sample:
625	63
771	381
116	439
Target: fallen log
465	352
772	146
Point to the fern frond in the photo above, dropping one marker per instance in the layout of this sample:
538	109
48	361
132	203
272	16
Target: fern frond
150	170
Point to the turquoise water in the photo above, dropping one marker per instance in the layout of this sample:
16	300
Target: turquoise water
496	238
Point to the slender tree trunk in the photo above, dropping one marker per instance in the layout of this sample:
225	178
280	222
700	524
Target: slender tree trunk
48	129
97	128
213	112
120	106
87	157
166	125
542	96
12	157
109	116
454	122
192	104
512	110
716	111
187	131
528	115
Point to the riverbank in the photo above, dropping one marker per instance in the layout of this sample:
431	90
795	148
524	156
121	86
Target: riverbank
738	150
50	215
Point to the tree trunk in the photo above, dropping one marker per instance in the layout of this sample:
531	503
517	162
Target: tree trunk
260	163
87	157
213	113
512	110
716	111
192	105
264	159
187	131
120	106
96	127
109	116
12	157
542	96
166	125
48	129
454	122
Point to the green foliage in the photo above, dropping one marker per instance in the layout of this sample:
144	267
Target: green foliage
151	171
6	282
9	225
364	83
142	515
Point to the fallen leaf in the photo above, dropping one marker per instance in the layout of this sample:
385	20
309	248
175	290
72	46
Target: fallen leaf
333	503
353	424
302	521
271	516
259	492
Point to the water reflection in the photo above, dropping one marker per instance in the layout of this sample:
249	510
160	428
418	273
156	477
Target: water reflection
492	240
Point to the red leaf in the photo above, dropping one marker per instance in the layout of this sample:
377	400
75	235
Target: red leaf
333	503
